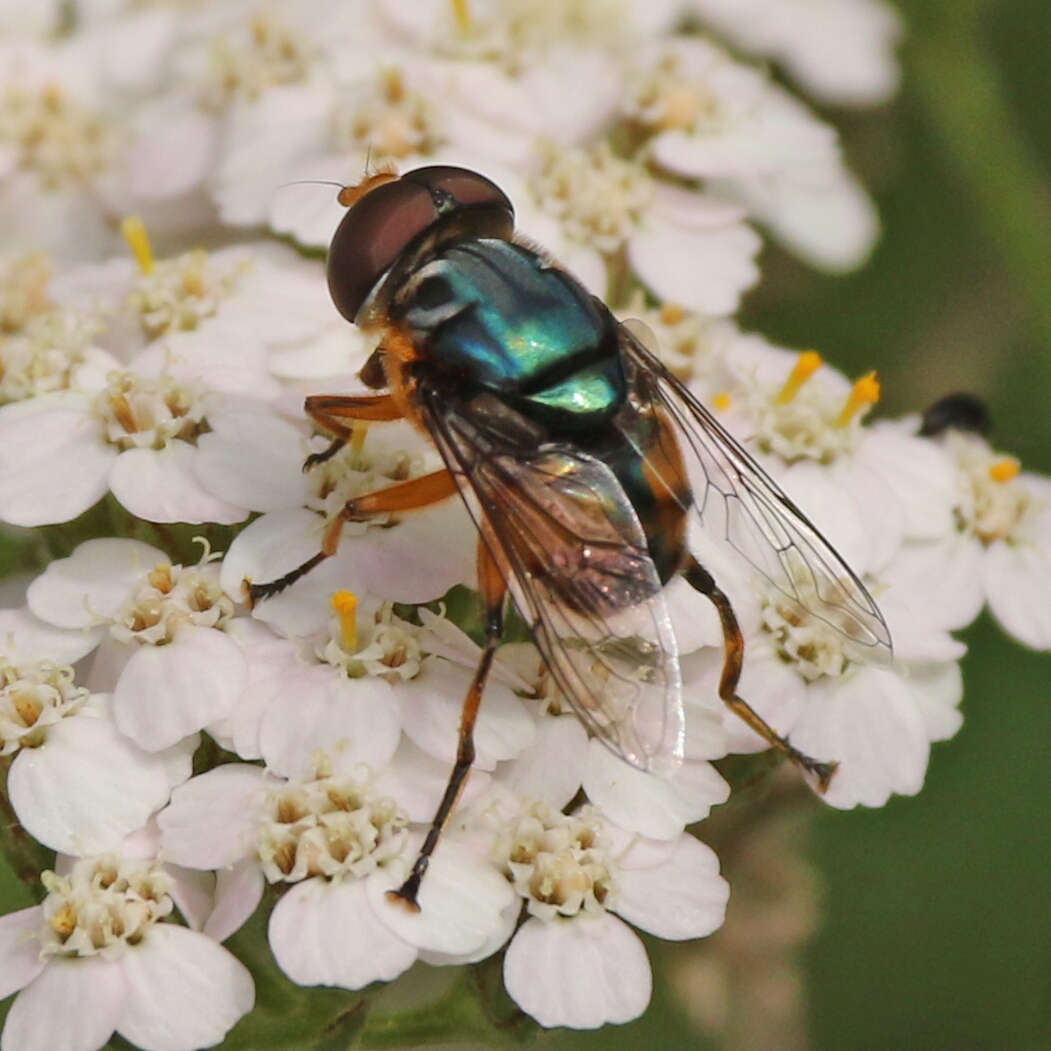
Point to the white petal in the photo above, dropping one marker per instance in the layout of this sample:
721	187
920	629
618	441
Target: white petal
54	464
683	897
352	721
325	933
173	155
167	692
550	769
92	583
160	486
20	959
212	820
658	807
580	973
462	901
1017	582
86	787
25	638
193	893
871	726
238	891
431	706
253	459
74	1005
184	990
937	690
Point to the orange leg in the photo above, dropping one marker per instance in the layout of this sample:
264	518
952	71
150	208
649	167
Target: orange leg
404	496
700	579
493	589
329	411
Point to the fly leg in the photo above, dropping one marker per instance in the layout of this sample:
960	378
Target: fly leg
331	411
493	590
404	496
701	580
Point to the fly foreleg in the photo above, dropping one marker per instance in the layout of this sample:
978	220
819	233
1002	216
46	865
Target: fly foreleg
332	411
701	580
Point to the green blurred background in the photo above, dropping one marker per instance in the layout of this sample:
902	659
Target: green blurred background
934	915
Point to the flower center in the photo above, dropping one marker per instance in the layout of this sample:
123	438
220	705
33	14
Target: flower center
814	647
387	119
147	414
557	862
262	55
802	421
328	827
103	905
52	134
596	196
998	501
32	698
168	597
665	100
391	649
23	291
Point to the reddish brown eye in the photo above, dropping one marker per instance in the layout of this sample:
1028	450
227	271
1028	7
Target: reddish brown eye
390	218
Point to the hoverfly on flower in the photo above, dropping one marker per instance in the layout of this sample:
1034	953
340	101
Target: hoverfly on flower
579	456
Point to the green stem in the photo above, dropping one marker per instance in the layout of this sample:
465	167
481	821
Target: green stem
25	856
957	81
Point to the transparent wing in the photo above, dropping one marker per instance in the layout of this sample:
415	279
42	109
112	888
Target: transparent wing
740	503
570	546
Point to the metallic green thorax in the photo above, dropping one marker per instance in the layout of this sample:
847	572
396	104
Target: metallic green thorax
495	314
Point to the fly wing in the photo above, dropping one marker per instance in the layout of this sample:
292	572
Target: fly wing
574	555
739	503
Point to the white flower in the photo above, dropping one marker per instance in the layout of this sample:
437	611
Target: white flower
753	143
573	963
94	959
176	668
840	50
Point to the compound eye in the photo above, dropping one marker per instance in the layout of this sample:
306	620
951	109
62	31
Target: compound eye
375	231
464	186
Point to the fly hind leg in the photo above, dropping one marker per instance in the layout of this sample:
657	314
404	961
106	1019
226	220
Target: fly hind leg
493	590
701	580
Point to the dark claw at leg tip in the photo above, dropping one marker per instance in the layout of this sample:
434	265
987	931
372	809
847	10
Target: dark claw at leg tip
407	899
824	772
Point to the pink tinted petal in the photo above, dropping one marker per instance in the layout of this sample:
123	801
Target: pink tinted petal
325	933
54	464
92	583
184	990
86	787
581	973
168	692
683	897
20	959
25	637
74	1005
211	820
551	767
193	893
159	485
238	891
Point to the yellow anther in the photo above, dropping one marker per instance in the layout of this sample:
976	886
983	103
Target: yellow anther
865	392
28	708
672	314
808	362
134	231
160	577
462	14
64	921
721	401
358	431
344	605
1004	470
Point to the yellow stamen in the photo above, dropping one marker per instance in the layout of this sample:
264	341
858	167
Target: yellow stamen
345	605
721	401
462	14
1004	470
134	231
359	429
865	392
64	921
160	577
27	707
672	314
806	365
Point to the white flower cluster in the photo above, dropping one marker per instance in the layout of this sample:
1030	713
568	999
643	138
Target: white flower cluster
636	150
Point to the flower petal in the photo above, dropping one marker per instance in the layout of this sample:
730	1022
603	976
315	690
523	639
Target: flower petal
581	973
184	990
20	959
238	891
325	933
